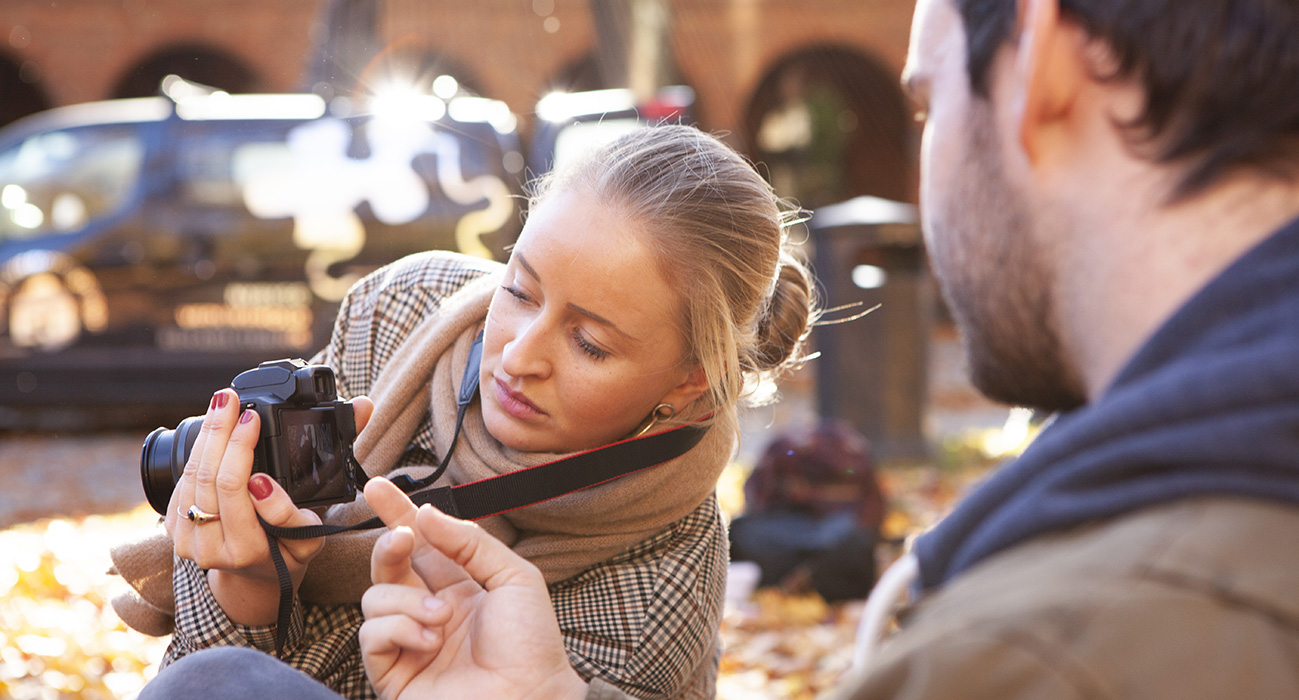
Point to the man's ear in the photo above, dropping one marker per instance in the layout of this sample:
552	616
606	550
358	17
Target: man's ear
692	387
1049	73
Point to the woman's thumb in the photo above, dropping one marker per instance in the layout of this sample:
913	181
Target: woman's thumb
275	506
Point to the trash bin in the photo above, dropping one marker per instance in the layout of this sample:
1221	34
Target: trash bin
872	372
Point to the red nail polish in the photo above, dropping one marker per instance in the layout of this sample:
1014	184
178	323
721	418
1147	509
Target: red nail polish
260	486
219	399
247	416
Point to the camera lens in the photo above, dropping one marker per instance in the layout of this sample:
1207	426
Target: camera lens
163	459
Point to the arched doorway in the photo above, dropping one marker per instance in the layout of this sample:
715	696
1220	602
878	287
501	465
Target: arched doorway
20	94
579	75
830	123
195	63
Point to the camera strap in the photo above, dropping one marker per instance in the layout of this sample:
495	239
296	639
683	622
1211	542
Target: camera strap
498	494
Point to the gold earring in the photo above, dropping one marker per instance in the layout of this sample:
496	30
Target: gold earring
662	411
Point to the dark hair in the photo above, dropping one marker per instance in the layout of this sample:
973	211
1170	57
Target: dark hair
1221	77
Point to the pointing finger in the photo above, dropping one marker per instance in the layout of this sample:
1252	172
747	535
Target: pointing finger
389	503
390	560
483	557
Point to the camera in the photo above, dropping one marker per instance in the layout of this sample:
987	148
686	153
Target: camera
305	442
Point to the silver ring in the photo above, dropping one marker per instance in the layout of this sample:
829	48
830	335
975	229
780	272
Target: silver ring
198	516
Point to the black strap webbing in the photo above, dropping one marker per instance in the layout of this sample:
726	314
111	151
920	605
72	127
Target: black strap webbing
501	494
506	492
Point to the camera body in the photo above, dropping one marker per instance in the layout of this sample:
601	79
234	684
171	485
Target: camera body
305	442
307	433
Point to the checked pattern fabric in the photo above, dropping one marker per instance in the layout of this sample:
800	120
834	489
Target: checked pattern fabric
645	621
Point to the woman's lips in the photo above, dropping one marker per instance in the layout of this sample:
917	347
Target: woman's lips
516	404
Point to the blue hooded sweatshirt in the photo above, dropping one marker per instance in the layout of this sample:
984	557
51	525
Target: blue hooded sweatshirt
1208	406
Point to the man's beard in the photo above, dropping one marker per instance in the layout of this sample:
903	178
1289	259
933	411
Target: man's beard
998	284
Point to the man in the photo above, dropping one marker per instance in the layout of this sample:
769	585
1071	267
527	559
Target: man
1110	193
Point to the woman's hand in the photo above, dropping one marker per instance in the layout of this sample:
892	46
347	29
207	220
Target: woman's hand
491	633
218	479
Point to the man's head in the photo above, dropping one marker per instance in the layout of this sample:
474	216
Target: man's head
1218	76
1030	102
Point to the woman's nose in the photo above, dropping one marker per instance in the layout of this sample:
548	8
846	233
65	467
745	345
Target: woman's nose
527	354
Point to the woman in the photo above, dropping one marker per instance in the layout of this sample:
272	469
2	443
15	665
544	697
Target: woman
651	286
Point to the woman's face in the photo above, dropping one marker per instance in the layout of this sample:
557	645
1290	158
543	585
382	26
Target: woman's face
581	341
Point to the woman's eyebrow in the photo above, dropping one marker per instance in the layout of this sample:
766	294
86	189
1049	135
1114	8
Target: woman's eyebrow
600	320
523	262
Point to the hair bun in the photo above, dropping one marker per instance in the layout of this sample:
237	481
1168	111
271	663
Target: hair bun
790	310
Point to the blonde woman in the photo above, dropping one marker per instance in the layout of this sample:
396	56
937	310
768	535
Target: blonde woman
652	286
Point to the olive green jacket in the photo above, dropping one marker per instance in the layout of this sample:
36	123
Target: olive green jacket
1196	599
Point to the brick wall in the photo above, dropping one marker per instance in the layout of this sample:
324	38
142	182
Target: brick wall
79	50
724	47
82	48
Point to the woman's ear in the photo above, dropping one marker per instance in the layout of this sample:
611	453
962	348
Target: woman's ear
692	387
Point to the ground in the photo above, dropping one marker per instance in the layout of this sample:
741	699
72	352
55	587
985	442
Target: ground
71	498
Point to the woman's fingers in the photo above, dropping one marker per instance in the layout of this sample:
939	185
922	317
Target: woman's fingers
218	479
235	468
276	507
401	616
362	409
197	485
222	416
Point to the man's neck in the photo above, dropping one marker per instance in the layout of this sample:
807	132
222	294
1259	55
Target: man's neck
1128	269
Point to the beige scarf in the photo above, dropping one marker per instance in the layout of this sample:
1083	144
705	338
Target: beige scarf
563	537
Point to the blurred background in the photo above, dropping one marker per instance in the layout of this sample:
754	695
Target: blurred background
187	187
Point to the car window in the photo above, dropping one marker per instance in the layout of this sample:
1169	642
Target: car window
59	180
217	161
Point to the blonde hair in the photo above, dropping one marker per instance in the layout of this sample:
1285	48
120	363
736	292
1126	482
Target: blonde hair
720	235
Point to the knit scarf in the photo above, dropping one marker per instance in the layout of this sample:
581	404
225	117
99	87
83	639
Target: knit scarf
562	537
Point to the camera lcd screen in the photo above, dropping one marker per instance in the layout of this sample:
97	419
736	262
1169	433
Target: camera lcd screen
313	454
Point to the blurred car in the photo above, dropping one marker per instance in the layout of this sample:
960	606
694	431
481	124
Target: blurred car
151	249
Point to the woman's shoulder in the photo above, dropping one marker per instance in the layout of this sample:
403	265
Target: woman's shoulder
431	275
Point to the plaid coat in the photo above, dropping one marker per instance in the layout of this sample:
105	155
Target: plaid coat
645	621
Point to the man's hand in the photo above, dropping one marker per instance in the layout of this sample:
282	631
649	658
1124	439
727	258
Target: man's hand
455	613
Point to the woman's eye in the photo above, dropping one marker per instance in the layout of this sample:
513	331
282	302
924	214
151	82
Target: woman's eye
516	293
588	347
